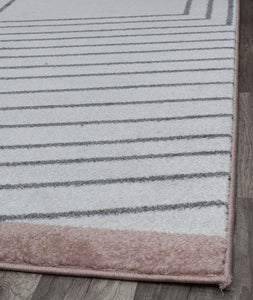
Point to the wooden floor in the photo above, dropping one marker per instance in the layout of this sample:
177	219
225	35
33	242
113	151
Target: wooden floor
15	286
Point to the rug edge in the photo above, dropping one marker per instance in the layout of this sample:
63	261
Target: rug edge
232	191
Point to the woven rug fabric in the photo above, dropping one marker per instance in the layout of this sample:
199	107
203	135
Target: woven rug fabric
117	138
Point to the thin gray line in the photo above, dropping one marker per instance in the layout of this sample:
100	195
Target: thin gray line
112	142
79	183
141	102
99	122
115	211
131	28
187	7
114	36
117	63
104	88
230	12
6	5
114	73
116	44
115	52
81	24
111	159
90	18
186	12
209	9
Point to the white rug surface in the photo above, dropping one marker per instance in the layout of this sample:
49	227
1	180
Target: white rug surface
117	114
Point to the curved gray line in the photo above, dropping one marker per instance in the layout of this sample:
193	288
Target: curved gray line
81	24
115	211
230	12
35	185
209	9
99	122
114	73
131	28
112	142
115	44
111	159
116	63
104	88
141	102
6	5
114	36
115	52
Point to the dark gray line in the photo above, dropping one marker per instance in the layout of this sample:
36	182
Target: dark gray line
81	24
92	104
90	18
115	211
6	5
187	7
113	36
123	87
79	183
114	73
230	12
100	122
112	142
111	159
130	28
209	9
116	44
114	52
117	63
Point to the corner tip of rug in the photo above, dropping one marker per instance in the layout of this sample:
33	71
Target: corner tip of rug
227	282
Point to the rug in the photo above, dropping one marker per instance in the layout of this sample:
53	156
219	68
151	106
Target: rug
118	138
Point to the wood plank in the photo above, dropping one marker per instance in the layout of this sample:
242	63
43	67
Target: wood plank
245	146
53	287
246	46
153	291
102	289
17	285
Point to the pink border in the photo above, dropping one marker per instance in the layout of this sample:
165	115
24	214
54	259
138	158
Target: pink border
222	278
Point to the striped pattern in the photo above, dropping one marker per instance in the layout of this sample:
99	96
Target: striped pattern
121	120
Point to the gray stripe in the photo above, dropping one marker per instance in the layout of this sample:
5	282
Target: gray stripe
117	63
115	211
209	9
79	183
111	142
187	7
104	88
130	28
99	122
111	159
115	44
80	24
90	18
114	36
6	5
115	52
164	101
230	12
115	73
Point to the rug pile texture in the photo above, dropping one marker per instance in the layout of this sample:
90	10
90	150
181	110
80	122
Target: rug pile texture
118	138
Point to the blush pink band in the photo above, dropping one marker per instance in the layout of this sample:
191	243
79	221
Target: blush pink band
111	253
